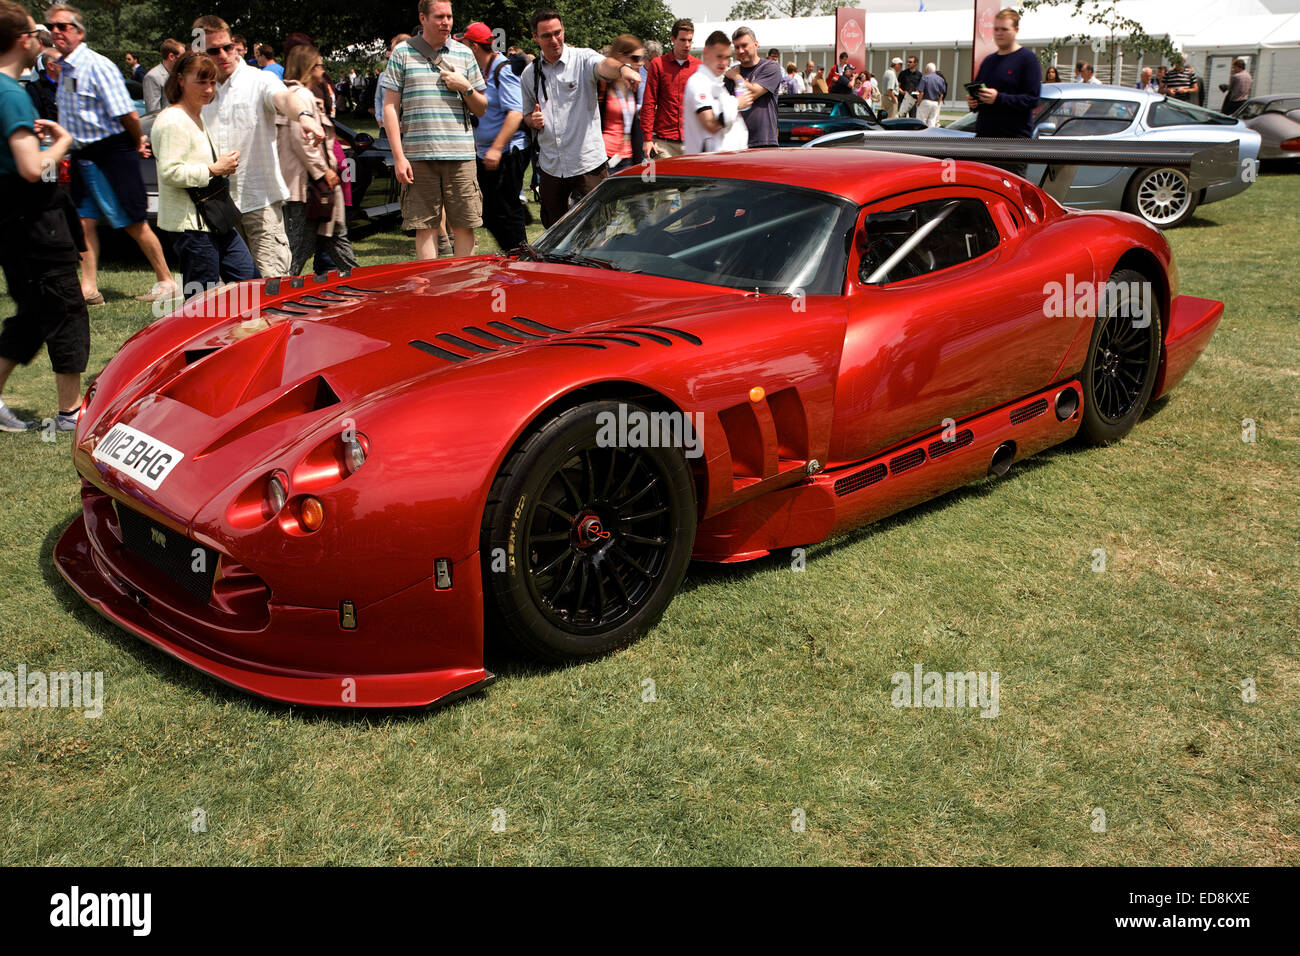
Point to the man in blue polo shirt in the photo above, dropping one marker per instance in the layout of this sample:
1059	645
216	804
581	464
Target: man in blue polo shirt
499	141
97	110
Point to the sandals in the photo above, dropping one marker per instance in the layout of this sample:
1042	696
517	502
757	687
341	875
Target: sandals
96	299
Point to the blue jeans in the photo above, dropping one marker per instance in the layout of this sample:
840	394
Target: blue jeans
211	259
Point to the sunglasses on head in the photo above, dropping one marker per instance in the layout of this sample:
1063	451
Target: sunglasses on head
214	50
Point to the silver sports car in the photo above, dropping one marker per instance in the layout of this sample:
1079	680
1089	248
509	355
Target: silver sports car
1161	196
1277	120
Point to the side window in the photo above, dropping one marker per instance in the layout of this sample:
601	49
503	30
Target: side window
928	237
1090	117
861	111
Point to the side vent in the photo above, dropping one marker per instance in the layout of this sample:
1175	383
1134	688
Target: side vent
907	460
859	480
745	439
1025	412
193	355
961	440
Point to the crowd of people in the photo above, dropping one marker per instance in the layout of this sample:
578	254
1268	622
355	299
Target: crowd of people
251	178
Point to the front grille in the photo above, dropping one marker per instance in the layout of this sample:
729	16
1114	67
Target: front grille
183	560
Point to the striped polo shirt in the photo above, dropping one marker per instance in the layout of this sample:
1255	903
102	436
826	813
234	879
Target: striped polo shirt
434	124
92	95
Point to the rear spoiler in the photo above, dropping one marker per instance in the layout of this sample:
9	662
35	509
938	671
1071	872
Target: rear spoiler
1206	163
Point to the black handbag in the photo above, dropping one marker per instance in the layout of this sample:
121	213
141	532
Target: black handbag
213	203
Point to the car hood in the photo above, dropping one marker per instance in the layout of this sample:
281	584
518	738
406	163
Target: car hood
290	362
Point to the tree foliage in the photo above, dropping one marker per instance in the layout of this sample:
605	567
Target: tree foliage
1115	31
336	24
780	9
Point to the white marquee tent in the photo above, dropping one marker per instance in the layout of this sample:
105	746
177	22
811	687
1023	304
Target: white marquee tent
1209	32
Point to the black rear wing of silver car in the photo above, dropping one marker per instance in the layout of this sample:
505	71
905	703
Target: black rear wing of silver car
1205	163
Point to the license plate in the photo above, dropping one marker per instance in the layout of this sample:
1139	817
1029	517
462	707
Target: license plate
137	455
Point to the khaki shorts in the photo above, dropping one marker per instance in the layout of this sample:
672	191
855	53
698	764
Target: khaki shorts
439	184
667	148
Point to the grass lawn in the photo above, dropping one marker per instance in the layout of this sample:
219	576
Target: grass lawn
1119	690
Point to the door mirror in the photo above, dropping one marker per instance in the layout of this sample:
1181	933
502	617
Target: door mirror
1044	129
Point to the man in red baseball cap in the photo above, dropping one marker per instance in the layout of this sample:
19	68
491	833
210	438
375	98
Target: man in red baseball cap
500	144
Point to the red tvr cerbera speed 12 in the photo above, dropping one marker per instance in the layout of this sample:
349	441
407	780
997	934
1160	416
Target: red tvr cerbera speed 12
324	498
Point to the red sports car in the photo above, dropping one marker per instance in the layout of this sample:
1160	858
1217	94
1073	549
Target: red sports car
325	496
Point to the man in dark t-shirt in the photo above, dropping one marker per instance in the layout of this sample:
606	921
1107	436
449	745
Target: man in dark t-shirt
908	80
763	77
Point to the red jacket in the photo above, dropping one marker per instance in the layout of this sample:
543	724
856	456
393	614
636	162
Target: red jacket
661	107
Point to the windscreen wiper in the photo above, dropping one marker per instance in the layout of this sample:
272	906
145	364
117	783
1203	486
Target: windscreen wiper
574	258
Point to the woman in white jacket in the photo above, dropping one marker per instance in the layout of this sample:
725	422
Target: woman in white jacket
187	159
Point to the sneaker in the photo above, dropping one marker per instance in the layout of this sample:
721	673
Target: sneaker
67	423
445	246
9	422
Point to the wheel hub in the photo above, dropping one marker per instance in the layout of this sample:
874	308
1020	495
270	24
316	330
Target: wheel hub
588	531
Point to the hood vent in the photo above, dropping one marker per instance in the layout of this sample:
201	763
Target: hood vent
478	341
659	334
474	340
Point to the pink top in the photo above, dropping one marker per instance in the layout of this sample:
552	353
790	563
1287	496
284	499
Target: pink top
620	111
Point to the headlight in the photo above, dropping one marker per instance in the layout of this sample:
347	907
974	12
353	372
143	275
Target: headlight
354	454
276	494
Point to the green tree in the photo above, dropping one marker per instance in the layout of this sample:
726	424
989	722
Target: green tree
780	9
1117	30
335	24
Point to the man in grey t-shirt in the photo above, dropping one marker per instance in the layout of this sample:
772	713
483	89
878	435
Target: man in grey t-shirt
763	79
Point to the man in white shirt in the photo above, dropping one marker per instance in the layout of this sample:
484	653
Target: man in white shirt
711	115
1087	76
241	118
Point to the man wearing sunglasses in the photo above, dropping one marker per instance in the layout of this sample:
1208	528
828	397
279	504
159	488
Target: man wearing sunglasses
242	118
96	109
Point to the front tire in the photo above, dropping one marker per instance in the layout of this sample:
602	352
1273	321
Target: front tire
1163	197
1123	358
584	546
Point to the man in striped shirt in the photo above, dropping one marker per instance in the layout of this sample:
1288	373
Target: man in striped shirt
427	108
96	109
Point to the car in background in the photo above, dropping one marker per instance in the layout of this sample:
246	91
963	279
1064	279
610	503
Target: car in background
802	117
1277	120
1162	196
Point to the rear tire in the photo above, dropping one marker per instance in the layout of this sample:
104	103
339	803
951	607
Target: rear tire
594	540
1123	359
1163	197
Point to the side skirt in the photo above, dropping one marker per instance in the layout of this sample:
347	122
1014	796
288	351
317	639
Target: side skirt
850	496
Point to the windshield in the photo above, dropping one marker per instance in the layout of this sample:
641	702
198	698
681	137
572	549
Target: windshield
726	232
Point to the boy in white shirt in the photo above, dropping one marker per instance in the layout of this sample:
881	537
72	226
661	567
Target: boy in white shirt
710	114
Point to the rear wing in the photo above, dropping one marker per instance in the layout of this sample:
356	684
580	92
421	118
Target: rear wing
1205	163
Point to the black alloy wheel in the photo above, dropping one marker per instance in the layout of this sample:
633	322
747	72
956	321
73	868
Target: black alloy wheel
1123	359
584	546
